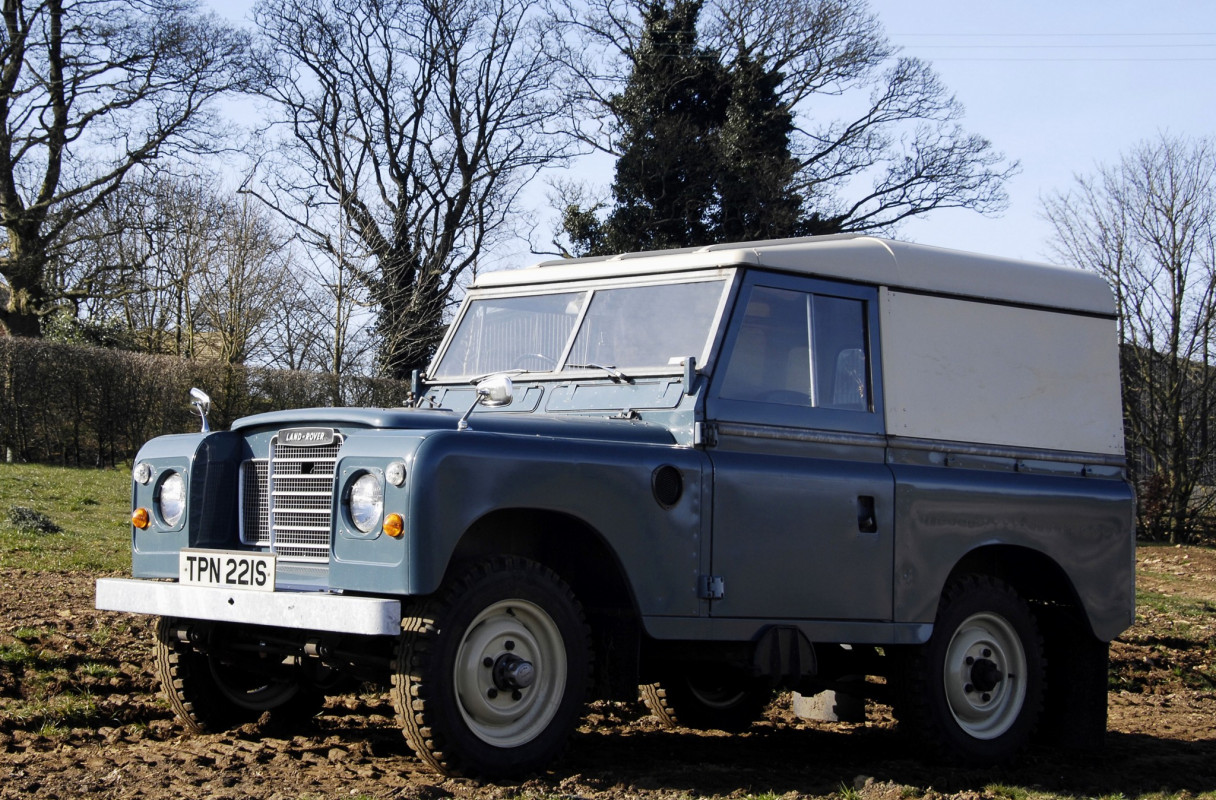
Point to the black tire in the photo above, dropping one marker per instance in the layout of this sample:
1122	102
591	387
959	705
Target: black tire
490	677
707	698
974	693
210	693
1078	673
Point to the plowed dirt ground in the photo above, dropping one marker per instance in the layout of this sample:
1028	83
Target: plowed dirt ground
80	716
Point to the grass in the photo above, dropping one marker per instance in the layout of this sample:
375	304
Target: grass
54	519
1004	792
91	507
15	655
847	792
50	700
52	714
1190	617
95	670
1193	608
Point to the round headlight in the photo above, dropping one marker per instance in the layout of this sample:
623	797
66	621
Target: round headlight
366	502
171	499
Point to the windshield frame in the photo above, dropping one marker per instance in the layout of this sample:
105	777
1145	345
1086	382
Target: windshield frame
727	275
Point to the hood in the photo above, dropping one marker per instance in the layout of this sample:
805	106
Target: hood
556	426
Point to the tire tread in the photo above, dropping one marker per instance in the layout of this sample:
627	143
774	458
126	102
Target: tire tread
413	693
915	704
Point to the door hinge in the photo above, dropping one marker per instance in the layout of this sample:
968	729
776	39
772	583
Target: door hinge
704	434
713	587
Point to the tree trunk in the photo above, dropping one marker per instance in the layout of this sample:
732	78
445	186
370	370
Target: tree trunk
411	322
24	268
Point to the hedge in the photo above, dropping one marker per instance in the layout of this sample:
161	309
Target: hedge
89	406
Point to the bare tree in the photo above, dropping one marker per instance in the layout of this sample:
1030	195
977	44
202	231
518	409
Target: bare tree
90	90
244	283
1148	225
138	259
325	328
901	153
186	269
421	120
298	327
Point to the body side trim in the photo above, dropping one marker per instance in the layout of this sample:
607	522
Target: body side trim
756	431
1006	451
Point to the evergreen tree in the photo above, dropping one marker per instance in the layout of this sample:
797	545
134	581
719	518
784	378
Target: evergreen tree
752	162
704	148
670	112
756	171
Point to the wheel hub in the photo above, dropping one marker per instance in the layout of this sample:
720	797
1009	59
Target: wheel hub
985	675
512	672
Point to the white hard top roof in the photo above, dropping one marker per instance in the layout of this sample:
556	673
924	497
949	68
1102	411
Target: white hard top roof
861	259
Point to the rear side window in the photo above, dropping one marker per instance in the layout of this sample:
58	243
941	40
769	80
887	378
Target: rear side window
800	352
800	349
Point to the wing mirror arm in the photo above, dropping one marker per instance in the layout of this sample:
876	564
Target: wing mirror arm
495	391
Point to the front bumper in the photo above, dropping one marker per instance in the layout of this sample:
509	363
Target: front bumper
316	611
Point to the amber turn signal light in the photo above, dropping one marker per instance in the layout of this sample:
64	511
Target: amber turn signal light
394	525
140	518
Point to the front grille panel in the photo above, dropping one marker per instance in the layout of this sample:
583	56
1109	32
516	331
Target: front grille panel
287	501
255	502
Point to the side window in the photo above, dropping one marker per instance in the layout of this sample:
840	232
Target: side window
840	360
800	349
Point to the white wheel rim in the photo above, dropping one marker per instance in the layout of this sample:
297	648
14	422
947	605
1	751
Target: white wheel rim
495	712
985	675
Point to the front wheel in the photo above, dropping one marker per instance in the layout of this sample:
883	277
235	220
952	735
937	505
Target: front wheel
490	678
975	690
211	689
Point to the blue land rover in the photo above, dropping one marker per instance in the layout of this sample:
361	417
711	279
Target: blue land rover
710	473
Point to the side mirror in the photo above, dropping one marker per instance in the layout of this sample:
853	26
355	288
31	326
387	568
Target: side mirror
495	391
202	404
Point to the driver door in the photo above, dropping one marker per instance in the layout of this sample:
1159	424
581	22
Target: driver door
802	496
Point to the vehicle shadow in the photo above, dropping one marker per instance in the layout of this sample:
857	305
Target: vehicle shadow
624	751
817	761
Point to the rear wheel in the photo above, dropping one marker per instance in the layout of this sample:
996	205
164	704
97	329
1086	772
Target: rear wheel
975	690
210	689
490	678
707	698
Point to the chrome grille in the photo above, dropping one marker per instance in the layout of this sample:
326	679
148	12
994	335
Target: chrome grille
287	499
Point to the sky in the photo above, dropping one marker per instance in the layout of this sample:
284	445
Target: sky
1062	86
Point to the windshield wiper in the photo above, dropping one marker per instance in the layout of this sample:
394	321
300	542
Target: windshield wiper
614	373
507	372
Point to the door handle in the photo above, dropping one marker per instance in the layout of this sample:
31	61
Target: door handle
867	521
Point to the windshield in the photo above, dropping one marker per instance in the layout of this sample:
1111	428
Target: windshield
628	328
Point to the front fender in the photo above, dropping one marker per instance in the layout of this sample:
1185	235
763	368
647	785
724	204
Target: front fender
210	463
459	478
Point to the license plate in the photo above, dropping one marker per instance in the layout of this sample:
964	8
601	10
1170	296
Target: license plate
253	571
